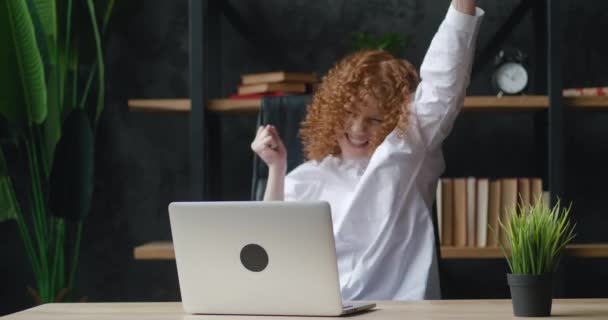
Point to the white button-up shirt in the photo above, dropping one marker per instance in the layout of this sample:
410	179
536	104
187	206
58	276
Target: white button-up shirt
381	207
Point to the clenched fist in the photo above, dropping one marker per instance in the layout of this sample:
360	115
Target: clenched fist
269	147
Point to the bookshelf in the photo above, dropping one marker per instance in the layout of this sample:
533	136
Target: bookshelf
203	107
472	103
163	250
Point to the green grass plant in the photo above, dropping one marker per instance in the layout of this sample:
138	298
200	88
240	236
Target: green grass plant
536	236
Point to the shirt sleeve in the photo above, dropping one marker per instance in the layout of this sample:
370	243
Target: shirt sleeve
303	183
445	74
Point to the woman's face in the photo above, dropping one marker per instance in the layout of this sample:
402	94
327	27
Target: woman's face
360	126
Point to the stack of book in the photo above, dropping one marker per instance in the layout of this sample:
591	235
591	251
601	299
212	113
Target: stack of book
586	92
469	209
255	86
275	83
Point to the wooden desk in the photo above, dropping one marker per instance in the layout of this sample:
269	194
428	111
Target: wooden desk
163	250
443	309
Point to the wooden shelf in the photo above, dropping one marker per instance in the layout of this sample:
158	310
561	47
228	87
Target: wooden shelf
163	250
472	103
159	105
184	105
158	250
233	105
529	102
587	102
505	103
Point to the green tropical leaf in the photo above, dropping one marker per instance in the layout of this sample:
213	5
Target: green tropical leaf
46	11
29	61
100	63
72	92
3	166
44	19
8	207
11	103
8	204
106	15
51	128
71	183
44	15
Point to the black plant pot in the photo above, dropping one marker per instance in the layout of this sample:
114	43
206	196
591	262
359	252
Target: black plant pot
531	294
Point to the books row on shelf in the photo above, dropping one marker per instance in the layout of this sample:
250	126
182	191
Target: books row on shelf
468	209
586	92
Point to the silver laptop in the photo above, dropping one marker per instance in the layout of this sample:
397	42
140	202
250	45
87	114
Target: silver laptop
257	258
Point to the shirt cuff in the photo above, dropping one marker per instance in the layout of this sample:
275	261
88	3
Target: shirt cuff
463	21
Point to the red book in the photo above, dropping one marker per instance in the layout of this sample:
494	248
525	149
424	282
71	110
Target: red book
257	95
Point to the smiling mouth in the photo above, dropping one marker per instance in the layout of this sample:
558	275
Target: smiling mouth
357	143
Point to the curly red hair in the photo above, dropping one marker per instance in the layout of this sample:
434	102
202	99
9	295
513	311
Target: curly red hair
374	74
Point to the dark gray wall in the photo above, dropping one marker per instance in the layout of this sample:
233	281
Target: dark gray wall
142	158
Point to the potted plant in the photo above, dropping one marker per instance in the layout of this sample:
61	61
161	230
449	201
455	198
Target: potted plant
391	42
48	117
535	237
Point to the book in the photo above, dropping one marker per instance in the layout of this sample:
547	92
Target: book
447	192
471	214
547	198
523	191
234	104
272	87
508	201
536	190
469	210
258	95
460	212
439	210
483	193
493	213
278	76
586	92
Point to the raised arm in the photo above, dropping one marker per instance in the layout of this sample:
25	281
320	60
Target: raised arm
275	186
445	72
465	6
270	148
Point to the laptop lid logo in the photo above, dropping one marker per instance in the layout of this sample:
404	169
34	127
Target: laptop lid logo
254	258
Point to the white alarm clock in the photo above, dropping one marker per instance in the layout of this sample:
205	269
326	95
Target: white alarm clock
510	76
